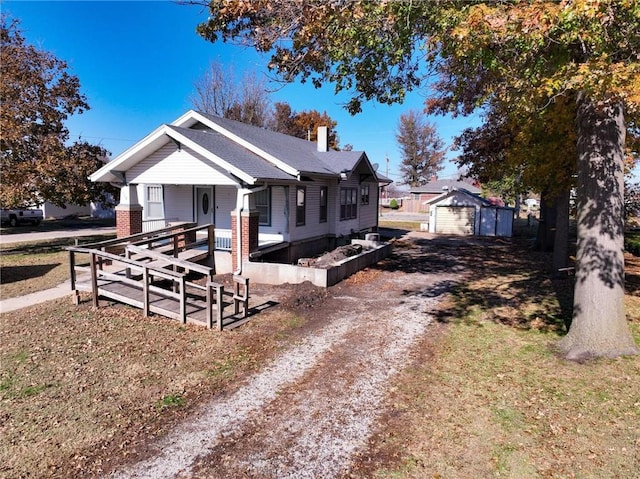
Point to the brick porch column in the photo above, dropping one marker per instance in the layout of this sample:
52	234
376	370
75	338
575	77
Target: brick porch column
250	225
128	212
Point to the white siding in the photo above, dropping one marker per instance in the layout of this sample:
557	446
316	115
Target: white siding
346	227
488	221
455	220
225	203
52	211
312	227
278	212
178	202
368	214
168	165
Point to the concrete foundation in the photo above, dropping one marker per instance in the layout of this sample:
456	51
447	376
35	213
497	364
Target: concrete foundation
276	273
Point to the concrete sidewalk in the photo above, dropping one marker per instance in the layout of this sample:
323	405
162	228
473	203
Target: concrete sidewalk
63	233
13	304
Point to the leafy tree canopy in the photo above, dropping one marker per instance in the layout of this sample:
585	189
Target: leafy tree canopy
38	95
379	50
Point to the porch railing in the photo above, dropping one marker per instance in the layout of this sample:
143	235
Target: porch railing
223	239
222	236
152	225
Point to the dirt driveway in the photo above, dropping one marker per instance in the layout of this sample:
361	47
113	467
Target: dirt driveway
309	412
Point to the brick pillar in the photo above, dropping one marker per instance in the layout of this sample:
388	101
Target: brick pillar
128	212
250	223
128	220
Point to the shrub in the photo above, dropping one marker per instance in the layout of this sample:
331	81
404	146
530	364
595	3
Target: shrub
632	243
393	204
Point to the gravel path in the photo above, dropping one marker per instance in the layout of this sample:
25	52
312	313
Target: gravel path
308	412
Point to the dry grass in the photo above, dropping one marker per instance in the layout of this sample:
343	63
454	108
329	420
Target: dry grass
35	266
78	384
80	390
490	399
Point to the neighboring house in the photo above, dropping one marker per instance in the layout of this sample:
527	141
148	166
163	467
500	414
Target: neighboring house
95	210
420	195
272	197
437	187
383	192
460	212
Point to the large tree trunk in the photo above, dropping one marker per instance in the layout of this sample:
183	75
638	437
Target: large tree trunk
599	326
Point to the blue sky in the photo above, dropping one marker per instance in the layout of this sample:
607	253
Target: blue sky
137	63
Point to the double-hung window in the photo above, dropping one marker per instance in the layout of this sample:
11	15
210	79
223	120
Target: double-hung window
364	194
301	201
348	203
154	207
263	205
324	191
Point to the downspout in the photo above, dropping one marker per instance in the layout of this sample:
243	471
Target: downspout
242	192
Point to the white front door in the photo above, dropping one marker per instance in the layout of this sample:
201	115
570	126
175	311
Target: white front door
204	205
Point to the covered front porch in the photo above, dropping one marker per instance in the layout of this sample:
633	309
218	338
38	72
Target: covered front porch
243	218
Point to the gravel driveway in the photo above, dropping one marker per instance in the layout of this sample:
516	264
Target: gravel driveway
307	413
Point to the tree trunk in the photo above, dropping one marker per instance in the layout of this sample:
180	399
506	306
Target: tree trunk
561	237
546	224
599	326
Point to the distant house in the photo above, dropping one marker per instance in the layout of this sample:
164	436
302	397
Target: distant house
383	187
95	210
437	187
270	196
420	195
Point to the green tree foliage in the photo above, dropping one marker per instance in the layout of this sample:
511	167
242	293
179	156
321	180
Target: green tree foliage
38	95
421	148
522	56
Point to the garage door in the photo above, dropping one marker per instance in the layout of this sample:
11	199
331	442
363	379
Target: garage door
455	220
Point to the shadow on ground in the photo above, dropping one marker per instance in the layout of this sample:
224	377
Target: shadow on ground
11	274
496	279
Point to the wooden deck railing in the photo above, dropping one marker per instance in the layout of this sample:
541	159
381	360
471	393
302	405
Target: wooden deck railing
149	271
140	276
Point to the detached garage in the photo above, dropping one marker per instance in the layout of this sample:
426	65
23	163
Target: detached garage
458	212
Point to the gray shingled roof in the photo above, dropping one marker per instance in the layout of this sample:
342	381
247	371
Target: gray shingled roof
230	151
301	154
440	186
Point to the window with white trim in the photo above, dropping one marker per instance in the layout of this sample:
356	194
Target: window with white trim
301	201
348	203
324	191
154	207
263	205
364	194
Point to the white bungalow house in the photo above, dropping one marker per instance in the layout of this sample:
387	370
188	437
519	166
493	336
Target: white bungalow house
271	197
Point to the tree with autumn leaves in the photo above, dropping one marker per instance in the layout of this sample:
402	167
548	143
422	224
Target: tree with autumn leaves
38	95
522	56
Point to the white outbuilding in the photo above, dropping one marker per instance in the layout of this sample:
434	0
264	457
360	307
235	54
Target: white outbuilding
459	212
